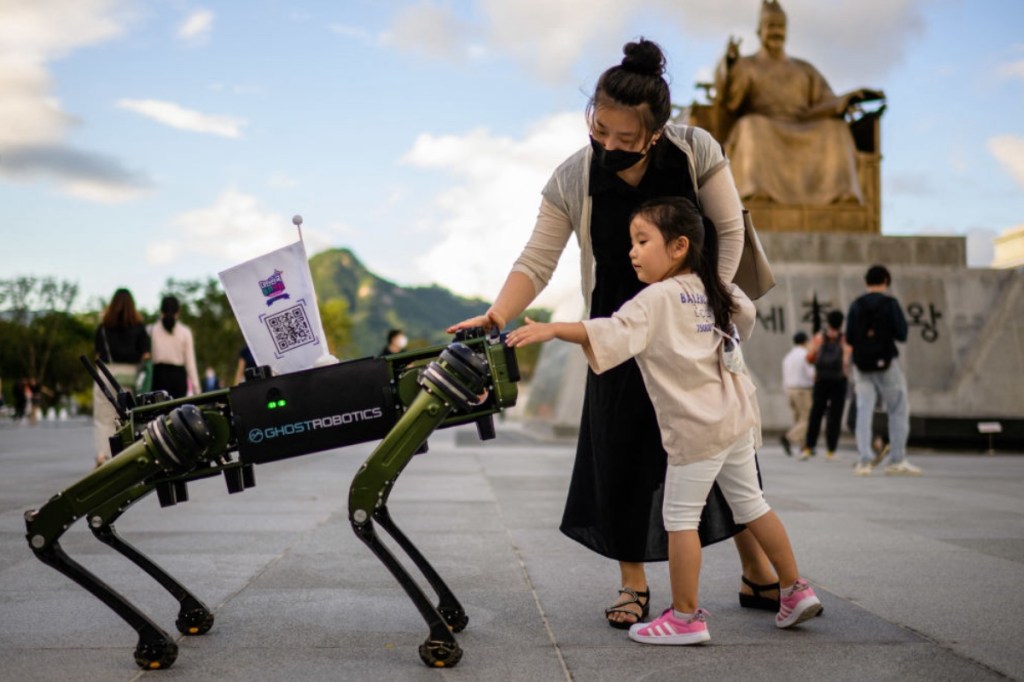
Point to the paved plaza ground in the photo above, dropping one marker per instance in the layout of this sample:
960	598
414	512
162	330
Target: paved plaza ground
921	578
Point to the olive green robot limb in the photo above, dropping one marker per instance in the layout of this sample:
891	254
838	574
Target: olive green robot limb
169	445
452	382
194	617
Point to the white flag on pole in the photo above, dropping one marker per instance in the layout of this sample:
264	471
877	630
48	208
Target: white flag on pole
275	305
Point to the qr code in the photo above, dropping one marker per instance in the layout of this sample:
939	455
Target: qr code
290	328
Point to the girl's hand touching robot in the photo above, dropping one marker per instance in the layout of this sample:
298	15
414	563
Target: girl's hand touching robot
531	332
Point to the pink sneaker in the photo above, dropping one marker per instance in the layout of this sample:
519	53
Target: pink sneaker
667	629
799	605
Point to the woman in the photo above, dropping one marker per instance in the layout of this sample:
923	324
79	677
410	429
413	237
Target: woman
122	343
174	355
615	494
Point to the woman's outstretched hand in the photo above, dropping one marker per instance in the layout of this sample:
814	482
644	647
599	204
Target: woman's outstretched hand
531	332
488	321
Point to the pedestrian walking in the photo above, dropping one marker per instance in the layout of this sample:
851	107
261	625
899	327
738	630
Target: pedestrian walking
798	382
875	324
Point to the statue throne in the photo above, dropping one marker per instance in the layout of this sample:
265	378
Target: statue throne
865	128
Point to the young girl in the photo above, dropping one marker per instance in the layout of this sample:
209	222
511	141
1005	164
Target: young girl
684	331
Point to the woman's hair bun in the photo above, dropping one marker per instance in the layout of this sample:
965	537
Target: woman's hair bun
644	57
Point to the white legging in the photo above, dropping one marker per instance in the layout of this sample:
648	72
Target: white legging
687	487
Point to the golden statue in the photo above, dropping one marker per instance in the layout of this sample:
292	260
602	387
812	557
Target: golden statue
788	140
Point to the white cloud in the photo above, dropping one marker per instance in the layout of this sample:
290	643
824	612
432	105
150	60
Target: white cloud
236	228
30	114
855	43
44	30
1011	69
99	191
852	42
236	89
176	116
197	27
550	38
1009	151
35	125
357	33
487	214
281	180
33	33
428	28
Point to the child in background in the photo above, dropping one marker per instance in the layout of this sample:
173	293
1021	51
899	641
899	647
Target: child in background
684	331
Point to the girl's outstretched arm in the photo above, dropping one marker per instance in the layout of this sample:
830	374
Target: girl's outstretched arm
539	332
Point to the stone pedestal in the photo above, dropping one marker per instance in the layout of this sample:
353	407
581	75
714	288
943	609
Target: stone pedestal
867	249
771	217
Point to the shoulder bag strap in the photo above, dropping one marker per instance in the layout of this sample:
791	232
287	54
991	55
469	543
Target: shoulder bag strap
106	344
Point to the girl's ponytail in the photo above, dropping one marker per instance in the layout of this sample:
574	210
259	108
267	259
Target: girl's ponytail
719	298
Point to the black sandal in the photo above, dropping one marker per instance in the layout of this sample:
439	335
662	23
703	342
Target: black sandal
757	600
634	598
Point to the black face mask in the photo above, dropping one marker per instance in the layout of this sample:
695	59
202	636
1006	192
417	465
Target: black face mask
615	160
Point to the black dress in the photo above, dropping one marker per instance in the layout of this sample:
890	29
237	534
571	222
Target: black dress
617	486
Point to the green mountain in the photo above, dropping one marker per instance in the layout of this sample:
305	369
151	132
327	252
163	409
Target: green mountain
376	305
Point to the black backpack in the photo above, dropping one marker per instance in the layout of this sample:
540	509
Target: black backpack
829	362
874	348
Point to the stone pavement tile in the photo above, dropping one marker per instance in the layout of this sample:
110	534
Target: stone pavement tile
872	546
775	663
298	596
885	550
66	662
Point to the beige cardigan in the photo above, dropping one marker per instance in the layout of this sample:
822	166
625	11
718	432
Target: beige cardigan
566	204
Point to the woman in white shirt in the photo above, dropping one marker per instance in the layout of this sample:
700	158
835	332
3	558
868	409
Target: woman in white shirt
173	352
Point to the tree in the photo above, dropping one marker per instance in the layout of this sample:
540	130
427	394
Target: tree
337	327
39	331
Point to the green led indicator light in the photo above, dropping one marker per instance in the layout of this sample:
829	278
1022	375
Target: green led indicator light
274	399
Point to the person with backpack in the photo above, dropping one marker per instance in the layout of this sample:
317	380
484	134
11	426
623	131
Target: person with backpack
830	356
874	324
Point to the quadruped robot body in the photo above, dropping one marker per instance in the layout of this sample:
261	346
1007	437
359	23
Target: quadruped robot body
162	444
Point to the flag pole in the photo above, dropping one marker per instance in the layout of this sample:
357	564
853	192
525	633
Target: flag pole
326	358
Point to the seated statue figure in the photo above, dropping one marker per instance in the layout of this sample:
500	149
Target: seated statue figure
789	142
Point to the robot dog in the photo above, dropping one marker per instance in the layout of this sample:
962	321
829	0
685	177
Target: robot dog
163	444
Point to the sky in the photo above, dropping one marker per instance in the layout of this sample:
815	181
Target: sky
144	140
